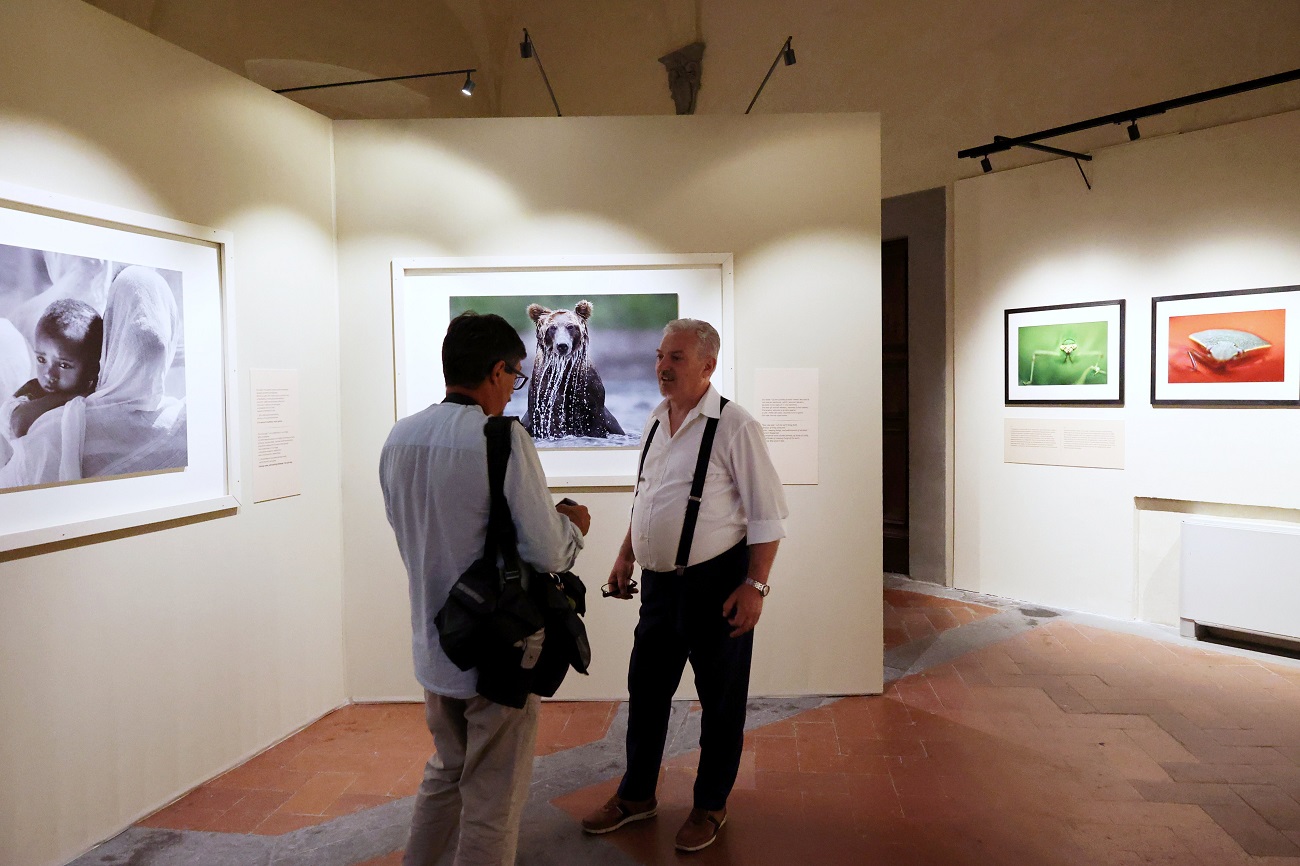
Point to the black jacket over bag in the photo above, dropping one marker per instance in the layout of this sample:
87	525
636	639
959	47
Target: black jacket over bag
494	609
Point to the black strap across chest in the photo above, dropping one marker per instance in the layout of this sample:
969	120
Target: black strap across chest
501	539
501	528
697	484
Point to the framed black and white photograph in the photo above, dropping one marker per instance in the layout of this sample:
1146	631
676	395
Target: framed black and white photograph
1065	354
114	369
590	326
1226	348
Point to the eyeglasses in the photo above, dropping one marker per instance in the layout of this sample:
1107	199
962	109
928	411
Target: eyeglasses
520	379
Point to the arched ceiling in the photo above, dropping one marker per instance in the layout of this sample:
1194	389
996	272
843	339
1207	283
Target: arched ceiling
290	43
943	75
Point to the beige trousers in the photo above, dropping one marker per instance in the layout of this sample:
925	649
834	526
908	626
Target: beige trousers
477	781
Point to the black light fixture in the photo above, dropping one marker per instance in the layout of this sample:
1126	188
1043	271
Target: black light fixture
986	165
466	89
787	54
526	50
1129	116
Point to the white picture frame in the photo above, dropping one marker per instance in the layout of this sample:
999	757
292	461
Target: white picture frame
209	482
422	293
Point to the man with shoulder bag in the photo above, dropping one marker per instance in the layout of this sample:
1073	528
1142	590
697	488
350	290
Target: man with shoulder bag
434	475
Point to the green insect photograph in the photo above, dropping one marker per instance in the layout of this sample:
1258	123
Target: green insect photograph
1064	354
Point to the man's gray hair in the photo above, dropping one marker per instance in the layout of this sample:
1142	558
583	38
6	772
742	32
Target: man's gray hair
709	341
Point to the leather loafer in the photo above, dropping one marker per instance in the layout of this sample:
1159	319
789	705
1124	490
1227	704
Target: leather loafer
701	828
616	813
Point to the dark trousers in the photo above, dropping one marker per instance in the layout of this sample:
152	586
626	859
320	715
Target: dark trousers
681	620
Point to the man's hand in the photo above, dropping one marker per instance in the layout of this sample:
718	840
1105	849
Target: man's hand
743	608
578	514
620	579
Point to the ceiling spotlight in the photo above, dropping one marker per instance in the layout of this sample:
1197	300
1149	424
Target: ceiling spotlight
468	87
528	50
986	165
1133	132
787	53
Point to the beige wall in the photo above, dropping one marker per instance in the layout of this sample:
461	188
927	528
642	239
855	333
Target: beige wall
132	669
1211	210
794	198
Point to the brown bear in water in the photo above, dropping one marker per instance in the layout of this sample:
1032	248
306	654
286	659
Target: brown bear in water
566	396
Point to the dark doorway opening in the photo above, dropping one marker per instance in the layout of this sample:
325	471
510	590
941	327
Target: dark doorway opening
894	403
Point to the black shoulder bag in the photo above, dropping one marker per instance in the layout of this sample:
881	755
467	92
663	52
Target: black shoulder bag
520	629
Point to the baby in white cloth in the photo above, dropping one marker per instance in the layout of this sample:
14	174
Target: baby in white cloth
68	341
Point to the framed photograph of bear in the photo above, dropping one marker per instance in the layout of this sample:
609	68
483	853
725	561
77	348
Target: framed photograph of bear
590	325
113	388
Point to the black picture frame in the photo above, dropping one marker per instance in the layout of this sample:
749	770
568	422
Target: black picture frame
1062	316
1272	308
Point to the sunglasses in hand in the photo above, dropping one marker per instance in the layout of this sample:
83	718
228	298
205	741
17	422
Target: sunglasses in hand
608	591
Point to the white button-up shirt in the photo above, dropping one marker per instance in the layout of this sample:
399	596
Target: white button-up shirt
433	471
742	496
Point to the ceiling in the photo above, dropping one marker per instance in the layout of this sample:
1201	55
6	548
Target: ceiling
292	43
943	74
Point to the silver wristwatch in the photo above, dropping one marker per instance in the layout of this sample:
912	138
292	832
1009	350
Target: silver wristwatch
763	588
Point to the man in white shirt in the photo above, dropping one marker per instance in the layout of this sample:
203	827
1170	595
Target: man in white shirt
705	557
433	470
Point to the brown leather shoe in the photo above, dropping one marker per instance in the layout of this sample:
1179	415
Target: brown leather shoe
701	828
618	812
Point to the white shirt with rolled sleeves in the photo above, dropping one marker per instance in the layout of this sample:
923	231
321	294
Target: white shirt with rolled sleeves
433	470
742	495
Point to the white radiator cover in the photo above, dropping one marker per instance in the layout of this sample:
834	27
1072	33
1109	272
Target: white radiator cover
1241	575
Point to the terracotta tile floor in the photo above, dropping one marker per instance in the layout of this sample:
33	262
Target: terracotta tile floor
1065	744
357	757
913	616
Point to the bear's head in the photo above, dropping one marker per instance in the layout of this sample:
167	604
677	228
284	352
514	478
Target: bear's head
562	333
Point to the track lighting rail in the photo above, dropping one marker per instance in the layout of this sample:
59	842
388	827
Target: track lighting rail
1130	117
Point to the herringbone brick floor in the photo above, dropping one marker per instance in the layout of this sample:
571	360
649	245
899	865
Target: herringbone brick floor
1062	743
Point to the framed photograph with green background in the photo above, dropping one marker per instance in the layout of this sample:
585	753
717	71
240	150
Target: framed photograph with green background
1226	348
1066	354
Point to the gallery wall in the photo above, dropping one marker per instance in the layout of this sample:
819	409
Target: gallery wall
795	199
134	667
1207	211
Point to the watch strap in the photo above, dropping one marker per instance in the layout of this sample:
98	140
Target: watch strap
763	588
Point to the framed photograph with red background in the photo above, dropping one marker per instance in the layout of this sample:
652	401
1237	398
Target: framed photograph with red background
1226	348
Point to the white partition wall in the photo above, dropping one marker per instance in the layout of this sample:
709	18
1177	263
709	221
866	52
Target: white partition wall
1207	211
795	199
135	667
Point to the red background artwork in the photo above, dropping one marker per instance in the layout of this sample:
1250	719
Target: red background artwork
1269	325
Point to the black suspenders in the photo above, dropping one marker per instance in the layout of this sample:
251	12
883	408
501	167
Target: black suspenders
697	484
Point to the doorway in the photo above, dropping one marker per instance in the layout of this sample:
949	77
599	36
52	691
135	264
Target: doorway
894	404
